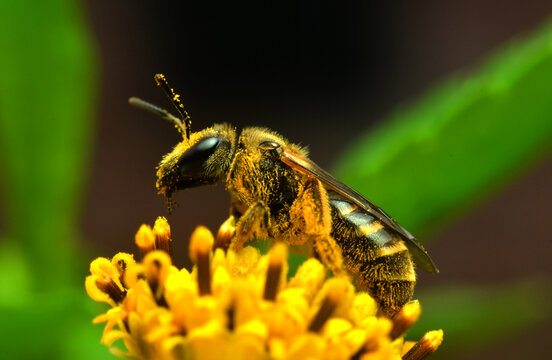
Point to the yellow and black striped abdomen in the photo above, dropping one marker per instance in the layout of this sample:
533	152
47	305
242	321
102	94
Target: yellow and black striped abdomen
374	254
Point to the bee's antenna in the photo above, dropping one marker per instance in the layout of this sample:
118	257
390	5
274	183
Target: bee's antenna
139	103
161	81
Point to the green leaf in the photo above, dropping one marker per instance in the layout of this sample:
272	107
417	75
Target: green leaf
15	276
479	316
459	142
47	87
52	325
47	72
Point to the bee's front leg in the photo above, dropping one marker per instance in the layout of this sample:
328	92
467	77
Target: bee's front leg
312	211
254	222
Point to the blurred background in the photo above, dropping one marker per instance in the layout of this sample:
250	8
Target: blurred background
78	163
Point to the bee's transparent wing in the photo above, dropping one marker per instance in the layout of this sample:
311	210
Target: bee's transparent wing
309	168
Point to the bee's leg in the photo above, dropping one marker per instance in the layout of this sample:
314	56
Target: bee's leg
312	212
255	221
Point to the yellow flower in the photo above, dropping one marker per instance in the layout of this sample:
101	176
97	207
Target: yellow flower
240	305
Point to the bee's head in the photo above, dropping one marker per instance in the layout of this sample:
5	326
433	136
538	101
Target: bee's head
203	159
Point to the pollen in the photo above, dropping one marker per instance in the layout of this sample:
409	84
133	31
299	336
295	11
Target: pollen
426	346
240	305
162	232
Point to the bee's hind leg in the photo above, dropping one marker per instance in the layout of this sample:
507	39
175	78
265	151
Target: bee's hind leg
311	212
254	222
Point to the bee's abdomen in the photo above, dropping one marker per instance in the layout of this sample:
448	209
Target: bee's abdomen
379	239
374	254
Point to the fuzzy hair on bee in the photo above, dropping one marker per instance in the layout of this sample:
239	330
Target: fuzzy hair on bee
202	159
277	192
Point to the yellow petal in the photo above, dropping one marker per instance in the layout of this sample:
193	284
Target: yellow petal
114	335
94	292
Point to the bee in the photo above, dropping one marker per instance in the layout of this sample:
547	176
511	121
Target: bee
277	192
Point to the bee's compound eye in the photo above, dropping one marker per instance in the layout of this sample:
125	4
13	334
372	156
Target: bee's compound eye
206	145
268	145
197	155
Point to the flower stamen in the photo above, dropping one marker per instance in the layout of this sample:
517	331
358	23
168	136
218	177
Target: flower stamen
162	232
156	268
239	304
122	261
103	283
277	255
201	244
405	318
108	286
145	240
225	233
329	304
426	346
230	314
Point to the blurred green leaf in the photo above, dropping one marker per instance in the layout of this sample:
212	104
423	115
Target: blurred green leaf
459	142
476	316
15	276
52	325
47	88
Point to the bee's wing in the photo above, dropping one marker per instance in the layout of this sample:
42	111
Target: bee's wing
419	254
309	168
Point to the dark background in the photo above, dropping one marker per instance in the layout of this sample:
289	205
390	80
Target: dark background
319	74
